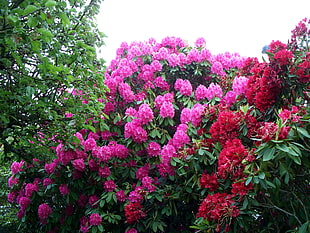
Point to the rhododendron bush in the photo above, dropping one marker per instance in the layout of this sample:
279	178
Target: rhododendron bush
188	142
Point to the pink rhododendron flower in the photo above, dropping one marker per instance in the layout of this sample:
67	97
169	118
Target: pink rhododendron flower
95	219
109	186
201	92
142	172
145	114
147	182
132	230
167	110
93	201
153	149
196	114
17	167
180	138
44	211
135	196
24	202
30	188
200	42
229	98
161	84
104	172
47	181
12	181
120	196
186	115
126	92
240	85
89	144
63	189
214	90
217	68
79	164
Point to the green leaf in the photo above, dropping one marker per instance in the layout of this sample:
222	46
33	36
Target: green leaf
32	22
12	18
268	154
270	184
303	132
261	175
50	3
304	228
248	180
296	159
64	18
29	9
36	45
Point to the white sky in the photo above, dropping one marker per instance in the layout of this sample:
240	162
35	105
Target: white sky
242	26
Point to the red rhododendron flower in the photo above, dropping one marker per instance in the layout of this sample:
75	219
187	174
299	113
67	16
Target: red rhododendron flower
134	212
239	188
217	207
209	181
226	127
230	159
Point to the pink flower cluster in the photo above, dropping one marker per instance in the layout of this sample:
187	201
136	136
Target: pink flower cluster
184	86
202	92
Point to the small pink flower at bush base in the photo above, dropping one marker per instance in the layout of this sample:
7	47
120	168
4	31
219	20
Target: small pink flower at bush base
79	164
12	196
30	188
20	214
132	230
120	196
43	212
93	200
84	229
50	168
12	181
89	144
95	219
17	167
64	190
24	203
104	172
109	186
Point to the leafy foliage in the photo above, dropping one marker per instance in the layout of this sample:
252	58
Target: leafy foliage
189	141
48	49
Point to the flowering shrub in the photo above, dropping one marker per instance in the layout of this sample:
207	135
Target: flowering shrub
187	140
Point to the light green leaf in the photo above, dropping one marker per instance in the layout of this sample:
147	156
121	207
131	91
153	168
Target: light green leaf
64	18
50	3
29	9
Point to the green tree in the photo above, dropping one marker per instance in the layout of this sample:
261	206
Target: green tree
48	49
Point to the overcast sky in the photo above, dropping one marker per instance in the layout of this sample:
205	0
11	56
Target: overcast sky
242	26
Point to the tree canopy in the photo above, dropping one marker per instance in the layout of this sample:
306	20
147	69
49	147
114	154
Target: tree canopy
48	55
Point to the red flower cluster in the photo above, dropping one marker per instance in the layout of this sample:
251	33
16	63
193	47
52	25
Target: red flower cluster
134	212
226	127
209	181
263	87
230	159
218	206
